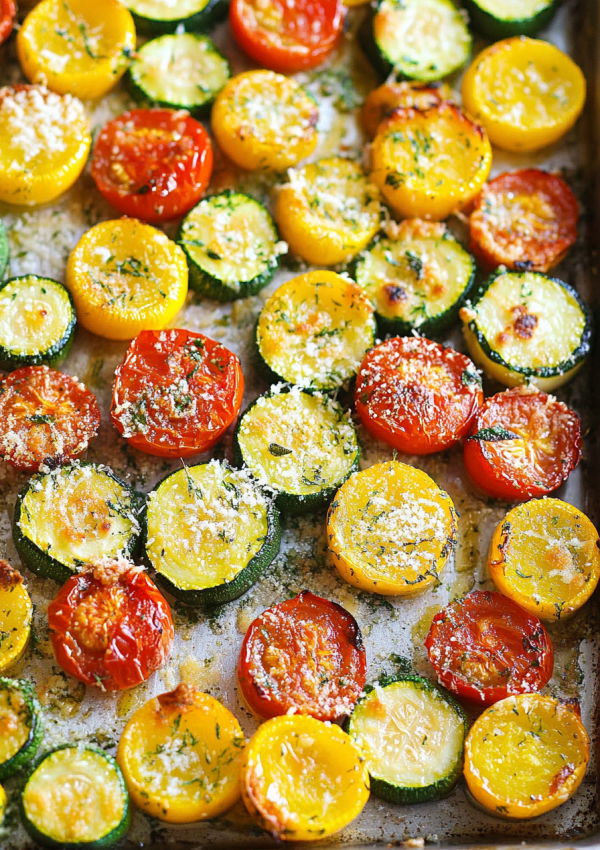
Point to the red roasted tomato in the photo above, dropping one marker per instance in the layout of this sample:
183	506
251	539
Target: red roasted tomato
417	395
8	14
304	654
523	443
45	417
153	164
485	647
287	35
176	393
110	626
526	220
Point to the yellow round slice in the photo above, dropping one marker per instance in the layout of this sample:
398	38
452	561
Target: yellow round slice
3	802
303	779
527	93
391	529
181	756
126	277
545	554
44	144
76	46
526	755
16	614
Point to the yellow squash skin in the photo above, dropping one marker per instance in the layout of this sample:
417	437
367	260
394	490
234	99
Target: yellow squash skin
375	515
44	144
303	779
16	613
76	46
527	93
545	555
526	755
329	211
126	277
2	803
181	756
430	163
263	120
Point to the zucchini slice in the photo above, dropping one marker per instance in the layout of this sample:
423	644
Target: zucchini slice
232	246
300	445
211	532
527	327
75	797
504	18
412	734
20	725
16	614
417	277
37	322
155	17
73	516
417	39
183	71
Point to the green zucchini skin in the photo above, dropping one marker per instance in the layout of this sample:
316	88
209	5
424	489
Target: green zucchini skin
103	843
34	720
496	27
4	251
201	21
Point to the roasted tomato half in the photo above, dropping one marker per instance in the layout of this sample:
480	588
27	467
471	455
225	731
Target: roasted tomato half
287	35
176	393
304	654
417	395
525	220
485	647
523	443
8	14
45	417
110	626
152	164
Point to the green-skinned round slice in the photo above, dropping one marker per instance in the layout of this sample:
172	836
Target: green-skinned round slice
22	725
505	18
156	17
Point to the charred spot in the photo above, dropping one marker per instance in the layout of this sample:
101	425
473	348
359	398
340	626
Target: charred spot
395	294
523	265
9	577
181	699
525	325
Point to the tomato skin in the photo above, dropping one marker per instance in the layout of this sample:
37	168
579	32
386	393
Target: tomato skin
413	394
152	164
110	626
8	15
292	636
500	639
547	451
292	42
172	422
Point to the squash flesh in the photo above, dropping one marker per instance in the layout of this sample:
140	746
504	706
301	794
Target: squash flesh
15	727
35	315
16	615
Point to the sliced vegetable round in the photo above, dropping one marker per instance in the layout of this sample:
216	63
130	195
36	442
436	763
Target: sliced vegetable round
45	416
412	735
211	533
76	47
391	530
76	798
417	277
181	756
485	647
525	220
501	19
152	164
44	144
523	443
37	322
526	327
545	555
287	37
298	444
526	755
527	93
429	163
232	246
315	330
303	656
416	395
21	727
329	211
125	277
264	120
382	101
8	15
73	516
16	615
176	393
291	778
155	17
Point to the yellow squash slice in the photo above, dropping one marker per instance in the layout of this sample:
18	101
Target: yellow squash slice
382	101
391	529
16	614
181	756
303	779
526	755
